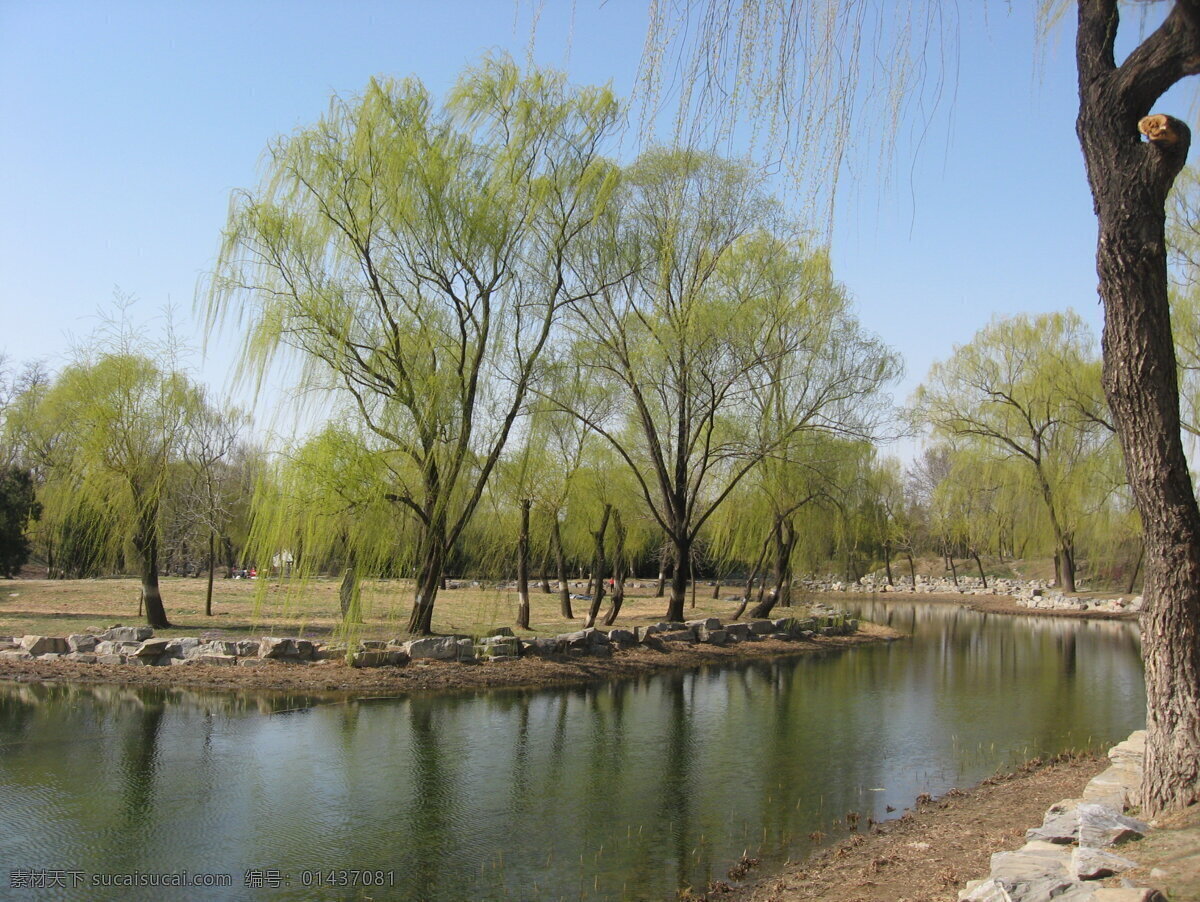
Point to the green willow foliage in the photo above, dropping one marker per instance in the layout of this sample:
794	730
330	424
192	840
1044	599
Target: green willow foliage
411	261
1025	392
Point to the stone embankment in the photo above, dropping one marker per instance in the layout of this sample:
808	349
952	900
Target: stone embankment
137	645
1075	846
1029	593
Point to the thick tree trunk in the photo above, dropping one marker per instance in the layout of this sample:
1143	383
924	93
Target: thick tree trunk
598	567
912	569
1130	180
523	567
146	542
212	566
429	578
679	578
560	564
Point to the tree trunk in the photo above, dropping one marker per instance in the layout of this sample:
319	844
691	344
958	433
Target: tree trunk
912	569
598	565
349	595
432	561
953	569
146	542
664	564
523	567
679	578
979	564
717	589
762	556
619	570
1136	567
546	590
212	564
560	563
887	562
1130	180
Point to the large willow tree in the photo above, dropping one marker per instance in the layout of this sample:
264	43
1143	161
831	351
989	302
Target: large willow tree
1027	389
409	259
719	336
114	425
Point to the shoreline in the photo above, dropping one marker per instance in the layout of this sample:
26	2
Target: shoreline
527	673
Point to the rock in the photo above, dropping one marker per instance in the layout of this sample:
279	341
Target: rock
1100	826
82	642
128	634
1060	825
761	627
622	637
152	648
437	648
715	637
654	641
216	660
44	645
305	650
15	654
83	657
708	623
397	657
465	649
1090	864
248	648
273	647
984	891
738	632
502	659
252	662
187	643
542	646
1126	894
1115	787
499	646
370	658
1132	750
110	659
1026	876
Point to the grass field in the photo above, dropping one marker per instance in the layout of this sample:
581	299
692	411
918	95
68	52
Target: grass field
260	607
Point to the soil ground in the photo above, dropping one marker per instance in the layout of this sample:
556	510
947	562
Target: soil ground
930	853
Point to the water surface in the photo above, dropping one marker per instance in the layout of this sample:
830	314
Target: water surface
620	791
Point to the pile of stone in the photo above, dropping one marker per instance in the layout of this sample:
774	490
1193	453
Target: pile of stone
1059	602
137	645
1074	847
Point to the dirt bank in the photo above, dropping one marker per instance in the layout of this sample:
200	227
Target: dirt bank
527	673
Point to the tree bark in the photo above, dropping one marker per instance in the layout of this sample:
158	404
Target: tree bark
912	569
619	570
1130	180
546	590
887	562
560	563
680	575
979	565
1137	566
523	567
431	562
348	595
598	566
212	564
146	542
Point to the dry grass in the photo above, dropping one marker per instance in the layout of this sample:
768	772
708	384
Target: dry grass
257	607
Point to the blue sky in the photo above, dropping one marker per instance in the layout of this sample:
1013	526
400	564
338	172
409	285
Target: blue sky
125	125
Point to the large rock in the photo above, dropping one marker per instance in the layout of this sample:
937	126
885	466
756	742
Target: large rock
1101	826
44	645
738	632
128	634
274	647
1091	864
82	642
1060	825
622	637
1116	787
437	648
152	649
708	623
761	627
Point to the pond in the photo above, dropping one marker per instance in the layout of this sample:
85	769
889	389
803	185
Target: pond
619	791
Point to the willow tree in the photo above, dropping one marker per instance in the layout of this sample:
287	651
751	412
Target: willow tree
410	260
1020	389
115	424
708	297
